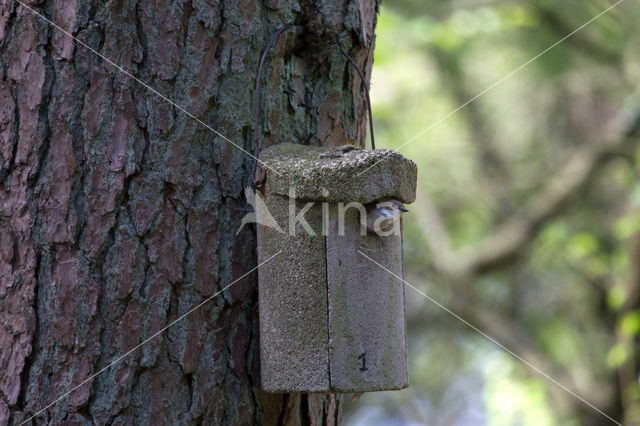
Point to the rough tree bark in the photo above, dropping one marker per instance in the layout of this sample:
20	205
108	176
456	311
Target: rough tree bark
118	212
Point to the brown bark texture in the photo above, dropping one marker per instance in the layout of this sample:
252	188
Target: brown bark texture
118	212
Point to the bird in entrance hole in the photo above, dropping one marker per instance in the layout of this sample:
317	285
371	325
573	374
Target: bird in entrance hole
382	216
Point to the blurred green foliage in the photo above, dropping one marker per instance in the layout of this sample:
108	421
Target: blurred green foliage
568	303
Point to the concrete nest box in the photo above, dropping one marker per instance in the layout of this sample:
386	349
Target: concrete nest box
332	301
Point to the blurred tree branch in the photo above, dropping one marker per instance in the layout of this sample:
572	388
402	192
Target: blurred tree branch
580	41
560	165
628	370
510	239
490	162
633	284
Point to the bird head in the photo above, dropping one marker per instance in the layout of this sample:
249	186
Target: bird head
393	205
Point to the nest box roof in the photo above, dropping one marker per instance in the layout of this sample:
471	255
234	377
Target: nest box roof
325	174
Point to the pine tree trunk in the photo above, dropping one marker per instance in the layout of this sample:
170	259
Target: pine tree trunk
118	212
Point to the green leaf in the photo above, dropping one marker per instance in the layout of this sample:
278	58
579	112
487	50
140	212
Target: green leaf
582	245
627	226
616	297
629	325
617	355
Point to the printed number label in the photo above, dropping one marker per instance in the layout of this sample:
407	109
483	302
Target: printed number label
363	358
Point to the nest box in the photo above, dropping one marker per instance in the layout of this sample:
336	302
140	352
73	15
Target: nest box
331	320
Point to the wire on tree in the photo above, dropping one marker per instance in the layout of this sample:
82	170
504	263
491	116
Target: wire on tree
365	86
258	90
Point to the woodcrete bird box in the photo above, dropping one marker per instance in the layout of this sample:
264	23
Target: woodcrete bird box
331	299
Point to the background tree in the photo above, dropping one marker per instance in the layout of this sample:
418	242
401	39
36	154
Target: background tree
118	212
528	204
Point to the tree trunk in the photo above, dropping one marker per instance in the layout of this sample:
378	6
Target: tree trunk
118	212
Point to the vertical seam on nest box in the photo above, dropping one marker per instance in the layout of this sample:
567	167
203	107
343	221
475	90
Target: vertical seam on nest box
326	282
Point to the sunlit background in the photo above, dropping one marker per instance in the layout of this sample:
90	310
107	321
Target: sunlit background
527	223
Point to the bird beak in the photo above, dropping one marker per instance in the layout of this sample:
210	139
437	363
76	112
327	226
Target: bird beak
403	210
